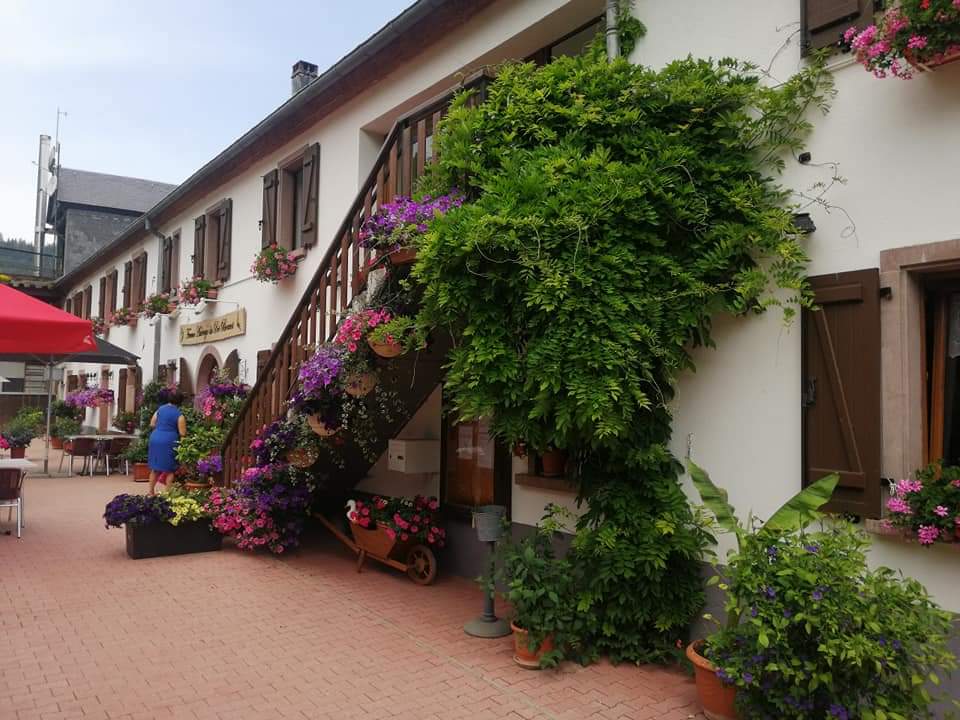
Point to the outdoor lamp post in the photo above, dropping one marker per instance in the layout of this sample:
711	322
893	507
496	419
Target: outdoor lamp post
488	520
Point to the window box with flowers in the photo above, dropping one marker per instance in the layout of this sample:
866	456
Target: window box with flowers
89	397
100	326
910	35
394	228
195	289
174	523
274	263
124	317
158	304
926	509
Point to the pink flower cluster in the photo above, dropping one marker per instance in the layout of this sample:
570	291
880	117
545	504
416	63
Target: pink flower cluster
409	520
928	534
354	327
234	515
4	445
273	264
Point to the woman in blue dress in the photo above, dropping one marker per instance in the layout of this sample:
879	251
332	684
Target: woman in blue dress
169	425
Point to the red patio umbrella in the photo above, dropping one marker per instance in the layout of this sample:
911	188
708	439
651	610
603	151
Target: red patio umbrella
28	325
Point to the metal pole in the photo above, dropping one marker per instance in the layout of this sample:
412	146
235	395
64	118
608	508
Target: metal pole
46	449
613	31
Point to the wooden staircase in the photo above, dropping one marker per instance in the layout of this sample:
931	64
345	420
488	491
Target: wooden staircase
340	278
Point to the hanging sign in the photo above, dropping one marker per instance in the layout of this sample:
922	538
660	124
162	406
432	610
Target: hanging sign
218	328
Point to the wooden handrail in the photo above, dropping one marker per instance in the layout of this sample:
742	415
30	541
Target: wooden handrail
341	275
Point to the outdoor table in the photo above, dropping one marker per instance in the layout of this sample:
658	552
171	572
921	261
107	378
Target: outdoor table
19	464
101	440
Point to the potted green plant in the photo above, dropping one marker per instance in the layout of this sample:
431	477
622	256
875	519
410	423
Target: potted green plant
62	428
137	453
124	317
20	431
195	289
158	304
811	631
393	337
125	421
539	587
195	450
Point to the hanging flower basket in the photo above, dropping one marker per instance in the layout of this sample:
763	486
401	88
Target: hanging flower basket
361	384
303	457
386	349
403	256
273	264
319	427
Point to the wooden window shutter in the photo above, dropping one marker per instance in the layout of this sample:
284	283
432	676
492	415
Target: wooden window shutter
102	298
263	357
127	283
112	305
166	262
88	302
122	390
311	195
174	261
143	277
268	224
183	378
68	305
137	387
824	21
199	229
841	389
224	238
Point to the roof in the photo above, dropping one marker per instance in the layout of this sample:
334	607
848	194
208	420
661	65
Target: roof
81	187
400	40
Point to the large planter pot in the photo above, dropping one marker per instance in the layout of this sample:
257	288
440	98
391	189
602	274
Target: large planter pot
554	463
522	654
318	426
141	472
403	256
159	538
18	453
361	384
56	443
386	349
716	698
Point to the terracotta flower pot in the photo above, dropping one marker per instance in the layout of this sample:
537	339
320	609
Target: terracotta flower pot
361	384
212	293
56	443
716	698
522	654
302	457
141	472
554	463
18	453
386	349
403	256
196	485
318	426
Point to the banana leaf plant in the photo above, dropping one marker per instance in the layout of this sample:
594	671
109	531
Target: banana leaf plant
793	516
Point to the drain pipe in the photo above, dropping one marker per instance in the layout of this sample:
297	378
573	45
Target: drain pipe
613	30
148	226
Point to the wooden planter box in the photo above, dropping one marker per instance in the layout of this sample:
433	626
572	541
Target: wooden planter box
160	538
946	59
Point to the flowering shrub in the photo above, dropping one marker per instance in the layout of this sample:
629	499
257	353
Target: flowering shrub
407	520
821	636
198	445
194	290
265	509
397	224
158	304
137	509
89	397
123	316
210	465
910	32
928	507
273	264
221	399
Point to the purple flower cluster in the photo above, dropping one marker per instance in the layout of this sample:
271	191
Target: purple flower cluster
319	372
136	510
396	224
89	397
272	442
210	465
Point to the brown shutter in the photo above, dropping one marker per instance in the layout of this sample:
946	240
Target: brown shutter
263	357
137	387
142	289
122	390
199	228
87	302
311	194
268	224
224	239
135	285
166	260
174	261
68	305
841	389
824	21
183	378
127	283
102	298
113	291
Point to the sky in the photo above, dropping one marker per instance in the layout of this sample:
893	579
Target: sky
153	90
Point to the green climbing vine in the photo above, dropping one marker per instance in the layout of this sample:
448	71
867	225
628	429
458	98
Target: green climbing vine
612	211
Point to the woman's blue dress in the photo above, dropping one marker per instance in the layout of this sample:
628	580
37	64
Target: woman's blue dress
163	439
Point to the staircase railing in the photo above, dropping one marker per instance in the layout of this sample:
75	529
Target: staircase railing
406	153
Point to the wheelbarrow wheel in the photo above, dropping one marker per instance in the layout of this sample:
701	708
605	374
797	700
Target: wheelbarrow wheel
421	565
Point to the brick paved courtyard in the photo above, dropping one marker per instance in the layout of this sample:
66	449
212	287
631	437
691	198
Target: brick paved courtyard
88	633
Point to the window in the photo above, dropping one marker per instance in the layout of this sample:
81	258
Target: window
290	201
212	240
822	22
476	469
169	262
940	402
68	305
112	280
102	298
87	302
138	281
570	45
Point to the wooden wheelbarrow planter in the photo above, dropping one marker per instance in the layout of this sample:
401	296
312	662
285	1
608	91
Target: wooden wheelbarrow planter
418	561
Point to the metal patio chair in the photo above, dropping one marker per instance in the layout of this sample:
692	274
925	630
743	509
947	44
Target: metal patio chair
11	494
115	448
82	447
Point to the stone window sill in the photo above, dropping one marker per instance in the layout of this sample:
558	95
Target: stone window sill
555	484
876	527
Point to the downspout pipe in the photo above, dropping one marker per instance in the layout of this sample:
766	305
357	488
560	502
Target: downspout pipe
613	30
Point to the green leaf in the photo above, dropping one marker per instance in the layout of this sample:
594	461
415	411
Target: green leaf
803	508
715	498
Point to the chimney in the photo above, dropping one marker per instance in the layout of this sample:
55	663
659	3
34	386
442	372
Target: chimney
303	74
